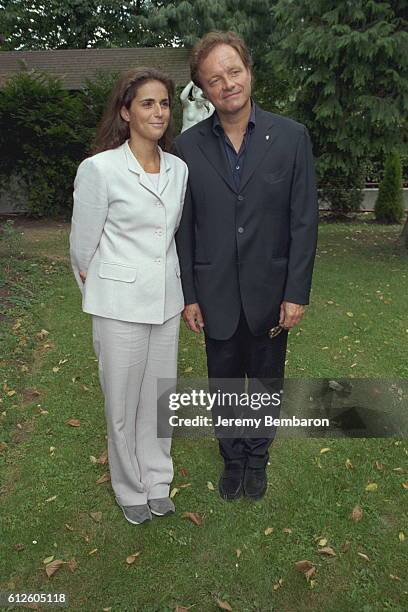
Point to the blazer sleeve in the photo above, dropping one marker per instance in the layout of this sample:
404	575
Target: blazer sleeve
303	224
88	217
185	242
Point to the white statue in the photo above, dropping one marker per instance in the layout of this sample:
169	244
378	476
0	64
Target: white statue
195	106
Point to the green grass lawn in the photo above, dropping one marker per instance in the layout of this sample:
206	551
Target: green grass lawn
356	326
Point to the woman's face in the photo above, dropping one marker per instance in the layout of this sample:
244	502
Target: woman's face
149	112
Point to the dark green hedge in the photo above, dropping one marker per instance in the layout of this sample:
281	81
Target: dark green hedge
45	132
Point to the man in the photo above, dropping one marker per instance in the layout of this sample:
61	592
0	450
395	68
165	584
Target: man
247	237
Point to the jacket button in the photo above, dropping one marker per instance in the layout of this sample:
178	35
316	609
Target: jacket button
240	198
240	230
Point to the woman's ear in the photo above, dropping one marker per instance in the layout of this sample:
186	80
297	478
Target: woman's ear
124	113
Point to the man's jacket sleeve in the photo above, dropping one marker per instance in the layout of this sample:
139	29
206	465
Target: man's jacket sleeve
303	224
185	241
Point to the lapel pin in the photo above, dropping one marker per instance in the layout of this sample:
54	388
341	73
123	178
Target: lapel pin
267	137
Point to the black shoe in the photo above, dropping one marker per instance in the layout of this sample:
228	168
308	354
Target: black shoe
230	484
255	483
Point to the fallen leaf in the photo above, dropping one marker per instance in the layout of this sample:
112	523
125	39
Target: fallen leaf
324	450
405	484
93	459
184	472
286	530
210	486
304	565
93	551
189	369
379	465
363	556
278	584
194	517
184	486
239	553
322	542
223	605
69	527
96	516
104	478
372	486
50	499
326	550
43	334
11	393
398	469
401	536
268	531
72	564
48	560
132	558
174	492
73	422
55	369
393	577
350	314
52	567
103	459
349	465
310	572
357	514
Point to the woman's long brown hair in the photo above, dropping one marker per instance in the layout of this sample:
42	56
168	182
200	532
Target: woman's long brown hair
112	131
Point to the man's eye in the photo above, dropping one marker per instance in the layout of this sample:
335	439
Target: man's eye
165	104
213	82
147	104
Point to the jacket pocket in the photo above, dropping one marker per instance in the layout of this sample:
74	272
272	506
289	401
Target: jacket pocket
275	177
119	272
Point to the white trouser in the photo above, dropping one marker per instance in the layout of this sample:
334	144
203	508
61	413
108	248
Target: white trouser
132	356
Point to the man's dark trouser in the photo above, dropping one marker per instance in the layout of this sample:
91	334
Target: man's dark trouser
257	357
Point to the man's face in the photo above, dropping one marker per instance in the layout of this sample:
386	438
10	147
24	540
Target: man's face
225	80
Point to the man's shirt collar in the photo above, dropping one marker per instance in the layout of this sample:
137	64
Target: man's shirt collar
217	127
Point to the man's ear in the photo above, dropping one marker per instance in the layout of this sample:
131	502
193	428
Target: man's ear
124	113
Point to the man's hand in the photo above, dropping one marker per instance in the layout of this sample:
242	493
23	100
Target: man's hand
193	318
290	314
82	276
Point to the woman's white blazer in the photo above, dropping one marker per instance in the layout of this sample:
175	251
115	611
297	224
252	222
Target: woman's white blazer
122	236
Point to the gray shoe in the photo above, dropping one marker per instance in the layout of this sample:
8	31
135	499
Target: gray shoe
137	514
162	506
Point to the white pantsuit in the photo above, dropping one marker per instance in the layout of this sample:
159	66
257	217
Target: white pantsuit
122	237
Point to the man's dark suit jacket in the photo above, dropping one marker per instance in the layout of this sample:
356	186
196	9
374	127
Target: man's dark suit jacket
255	245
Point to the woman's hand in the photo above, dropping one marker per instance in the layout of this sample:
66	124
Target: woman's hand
82	276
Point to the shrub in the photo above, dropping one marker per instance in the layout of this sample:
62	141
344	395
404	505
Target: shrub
389	206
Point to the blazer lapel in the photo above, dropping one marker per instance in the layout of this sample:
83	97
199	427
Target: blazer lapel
134	166
261	139
212	148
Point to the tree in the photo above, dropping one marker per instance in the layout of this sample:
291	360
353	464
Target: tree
389	206
349	63
72	24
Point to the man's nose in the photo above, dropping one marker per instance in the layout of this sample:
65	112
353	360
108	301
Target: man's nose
229	83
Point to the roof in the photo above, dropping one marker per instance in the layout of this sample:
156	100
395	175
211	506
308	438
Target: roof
74	66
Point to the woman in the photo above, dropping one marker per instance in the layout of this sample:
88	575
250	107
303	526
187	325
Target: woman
128	200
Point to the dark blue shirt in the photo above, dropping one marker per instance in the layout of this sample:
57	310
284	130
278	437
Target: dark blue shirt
236	160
